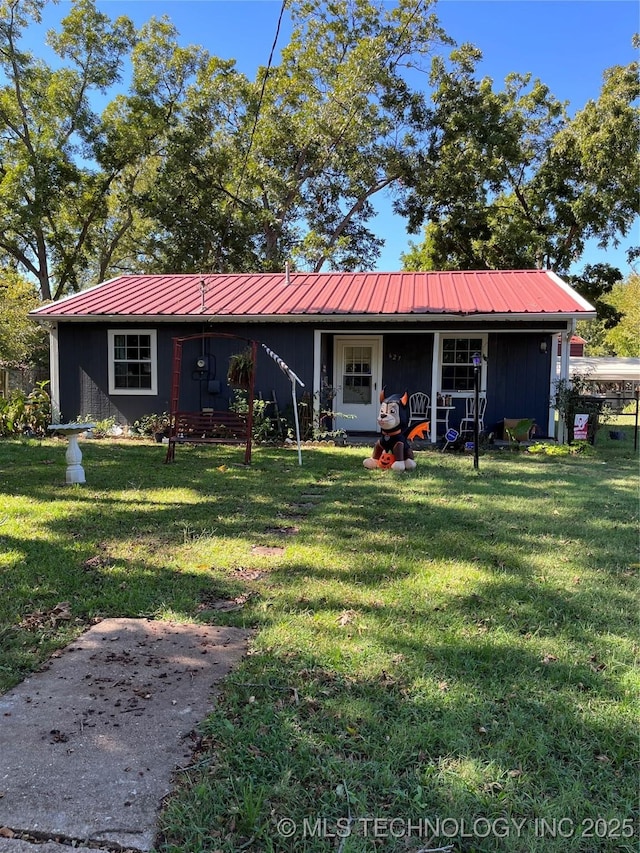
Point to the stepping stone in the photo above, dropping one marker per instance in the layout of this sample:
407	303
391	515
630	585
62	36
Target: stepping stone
267	550
283	531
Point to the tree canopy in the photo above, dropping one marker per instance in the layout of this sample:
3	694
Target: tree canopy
509	180
285	167
50	201
191	166
624	337
21	341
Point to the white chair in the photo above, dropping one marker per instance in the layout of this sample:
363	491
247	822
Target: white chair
419	409
469	417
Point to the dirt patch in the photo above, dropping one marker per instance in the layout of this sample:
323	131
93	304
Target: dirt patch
267	550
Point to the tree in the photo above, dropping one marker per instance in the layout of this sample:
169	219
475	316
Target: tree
624	337
22	342
286	166
508	180
49	201
195	166
595	283
68	173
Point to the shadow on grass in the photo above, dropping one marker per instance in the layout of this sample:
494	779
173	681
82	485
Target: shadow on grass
322	745
376	687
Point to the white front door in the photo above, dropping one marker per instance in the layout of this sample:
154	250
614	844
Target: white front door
357	377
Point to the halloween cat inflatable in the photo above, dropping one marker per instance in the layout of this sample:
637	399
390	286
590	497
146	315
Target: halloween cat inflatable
392	450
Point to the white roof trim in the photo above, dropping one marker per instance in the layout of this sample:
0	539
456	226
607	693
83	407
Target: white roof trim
69	296
570	290
427	317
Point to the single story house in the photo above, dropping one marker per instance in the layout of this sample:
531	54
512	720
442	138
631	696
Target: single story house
345	335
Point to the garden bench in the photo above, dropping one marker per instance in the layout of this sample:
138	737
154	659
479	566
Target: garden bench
211	427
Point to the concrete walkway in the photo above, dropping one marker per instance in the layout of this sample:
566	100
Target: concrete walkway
89	746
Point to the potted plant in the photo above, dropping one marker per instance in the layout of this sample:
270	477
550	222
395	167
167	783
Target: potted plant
240	371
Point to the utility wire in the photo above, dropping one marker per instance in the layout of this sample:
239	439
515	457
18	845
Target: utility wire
255	124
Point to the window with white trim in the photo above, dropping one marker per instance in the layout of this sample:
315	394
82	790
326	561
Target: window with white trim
456	362
133	364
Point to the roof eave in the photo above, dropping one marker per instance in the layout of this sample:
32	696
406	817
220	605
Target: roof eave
314	318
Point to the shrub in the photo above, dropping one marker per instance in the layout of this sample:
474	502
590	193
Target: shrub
102	427
22	413
152	424
264	428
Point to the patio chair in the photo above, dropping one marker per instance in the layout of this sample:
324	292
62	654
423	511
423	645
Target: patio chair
419	409
466	424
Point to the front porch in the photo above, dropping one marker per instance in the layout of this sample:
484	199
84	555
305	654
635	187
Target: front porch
515	375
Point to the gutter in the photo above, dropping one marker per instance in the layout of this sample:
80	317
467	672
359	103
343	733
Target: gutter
313	318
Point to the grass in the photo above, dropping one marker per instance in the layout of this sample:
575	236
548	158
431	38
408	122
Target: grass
440	658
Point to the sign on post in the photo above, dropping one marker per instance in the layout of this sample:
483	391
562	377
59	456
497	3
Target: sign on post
450	435
581	427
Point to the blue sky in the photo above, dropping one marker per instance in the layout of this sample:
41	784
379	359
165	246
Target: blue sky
565	43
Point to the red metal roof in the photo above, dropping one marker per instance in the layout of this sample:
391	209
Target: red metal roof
324	295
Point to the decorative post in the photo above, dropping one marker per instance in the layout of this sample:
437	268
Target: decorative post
284	367
477	360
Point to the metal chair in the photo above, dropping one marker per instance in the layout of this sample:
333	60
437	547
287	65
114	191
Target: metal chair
469	417
419	409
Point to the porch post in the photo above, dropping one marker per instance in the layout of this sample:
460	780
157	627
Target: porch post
435	373
565	350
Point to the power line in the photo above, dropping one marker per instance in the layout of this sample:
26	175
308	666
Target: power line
255	124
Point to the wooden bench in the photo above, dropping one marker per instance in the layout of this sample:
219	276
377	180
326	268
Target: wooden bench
223	427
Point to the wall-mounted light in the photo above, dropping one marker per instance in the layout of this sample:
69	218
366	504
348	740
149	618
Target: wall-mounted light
543	346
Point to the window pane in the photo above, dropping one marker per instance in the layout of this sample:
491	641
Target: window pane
145	376
457	363
120	375
357	360
132	368
356	389
119	345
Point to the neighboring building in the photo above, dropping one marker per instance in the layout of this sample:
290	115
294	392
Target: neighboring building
348	334
616	379
576	347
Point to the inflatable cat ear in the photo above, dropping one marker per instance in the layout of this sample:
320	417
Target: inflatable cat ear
404	399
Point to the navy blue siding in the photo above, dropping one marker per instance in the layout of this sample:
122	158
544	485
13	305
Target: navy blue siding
407	363
84	380
517	372
517	380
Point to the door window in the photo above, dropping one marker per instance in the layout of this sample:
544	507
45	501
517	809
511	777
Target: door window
357	381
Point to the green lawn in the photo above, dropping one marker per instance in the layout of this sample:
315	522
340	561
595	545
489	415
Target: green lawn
444	657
